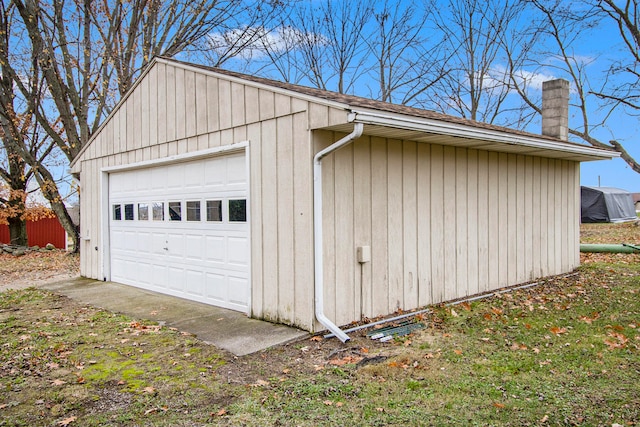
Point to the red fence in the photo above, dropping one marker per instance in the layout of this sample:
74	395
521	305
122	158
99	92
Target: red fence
41	232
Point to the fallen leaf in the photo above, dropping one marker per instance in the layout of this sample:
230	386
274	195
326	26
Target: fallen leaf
58	382
557	331
380	409
339	404
457	351
149	390
345	360
328	402
453	313
544	419
221	412
466	306
286	371
316	338
497	311
67	421
364	349
260	383
498	405
618	341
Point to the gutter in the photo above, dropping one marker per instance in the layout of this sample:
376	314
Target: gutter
317	230
478	133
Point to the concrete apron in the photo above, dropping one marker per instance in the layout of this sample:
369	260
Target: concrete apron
226	329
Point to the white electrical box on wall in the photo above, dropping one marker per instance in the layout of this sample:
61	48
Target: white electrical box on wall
363	253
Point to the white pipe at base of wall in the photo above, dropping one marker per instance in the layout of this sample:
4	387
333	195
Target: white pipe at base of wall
317	231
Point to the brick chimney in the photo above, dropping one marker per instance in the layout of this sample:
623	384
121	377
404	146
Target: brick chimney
555	108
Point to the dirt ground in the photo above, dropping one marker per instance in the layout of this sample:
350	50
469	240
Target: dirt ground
36	268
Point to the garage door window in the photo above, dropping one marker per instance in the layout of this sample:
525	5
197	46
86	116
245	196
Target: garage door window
238	210
214	210
117	212
193	211
157	211
175	211
143	212
128	212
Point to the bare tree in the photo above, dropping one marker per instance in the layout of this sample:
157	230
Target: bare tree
89	54
476	86
559	29
407	58
319	45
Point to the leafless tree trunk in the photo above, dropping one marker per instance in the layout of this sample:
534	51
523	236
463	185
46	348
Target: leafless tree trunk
13	169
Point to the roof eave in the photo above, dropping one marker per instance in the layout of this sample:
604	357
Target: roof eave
419	124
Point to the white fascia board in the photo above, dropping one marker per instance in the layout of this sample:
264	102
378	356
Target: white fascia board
471	132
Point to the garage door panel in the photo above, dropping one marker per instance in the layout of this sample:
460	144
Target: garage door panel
206	260
237	289
175	176
237	251
175	245
214	249
160	275
176	278
158	178
195	283
144	272
216	288
194	244
193	176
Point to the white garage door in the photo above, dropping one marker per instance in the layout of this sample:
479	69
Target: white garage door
181	229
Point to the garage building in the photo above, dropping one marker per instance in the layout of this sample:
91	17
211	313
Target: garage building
200	184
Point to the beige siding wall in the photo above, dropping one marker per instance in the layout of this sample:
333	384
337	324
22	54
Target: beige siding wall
442	223
174	111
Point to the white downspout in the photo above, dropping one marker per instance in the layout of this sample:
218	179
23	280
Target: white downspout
317	230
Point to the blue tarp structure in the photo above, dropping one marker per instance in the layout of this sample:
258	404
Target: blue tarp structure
607	204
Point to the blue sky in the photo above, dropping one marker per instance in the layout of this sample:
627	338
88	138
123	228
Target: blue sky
595	49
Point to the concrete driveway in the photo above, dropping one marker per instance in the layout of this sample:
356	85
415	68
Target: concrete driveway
226	329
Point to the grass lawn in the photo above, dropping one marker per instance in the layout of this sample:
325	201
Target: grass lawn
565	352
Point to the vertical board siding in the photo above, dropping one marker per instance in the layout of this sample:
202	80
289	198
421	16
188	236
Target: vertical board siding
379	247
284	217
362	220
254	133
395	237
410	220
303	222
445	223
423	229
